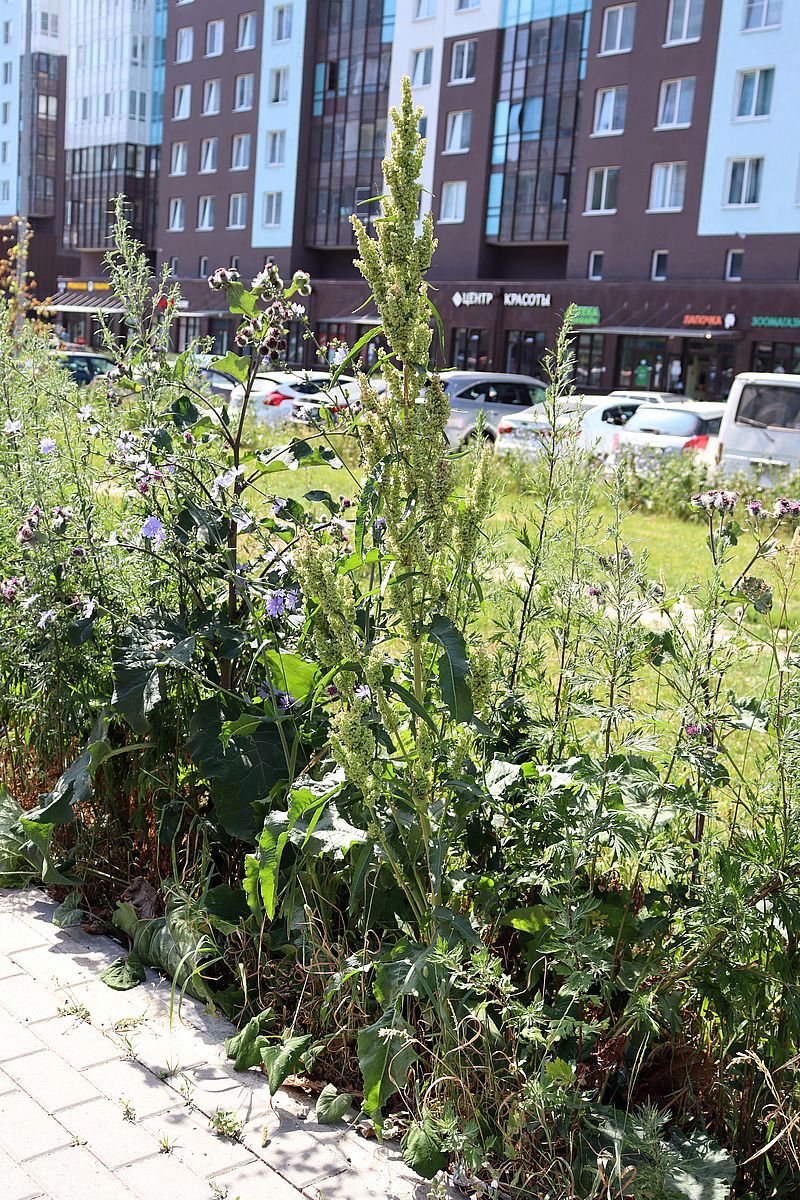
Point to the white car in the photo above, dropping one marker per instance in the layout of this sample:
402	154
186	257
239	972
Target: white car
691	426
644	397
528	432
276	394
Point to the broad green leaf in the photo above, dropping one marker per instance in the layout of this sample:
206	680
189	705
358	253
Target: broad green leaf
232	364
245	1047
15	868
241	301
139	659
74	787
386	1054
704	1171
291	673
69	911
332	1106
453	668
38	849
184	412
173	944
124	973
282	1060
226	907
529	920
296	454
422	1149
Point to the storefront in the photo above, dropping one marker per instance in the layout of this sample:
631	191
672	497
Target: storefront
781	355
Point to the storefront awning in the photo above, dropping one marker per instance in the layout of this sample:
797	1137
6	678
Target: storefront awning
355	319
649	331
84	302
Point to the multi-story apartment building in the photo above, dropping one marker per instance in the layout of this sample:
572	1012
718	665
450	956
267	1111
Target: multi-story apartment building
629	156
33	48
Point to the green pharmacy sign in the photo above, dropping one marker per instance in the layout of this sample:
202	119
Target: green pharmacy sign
586	314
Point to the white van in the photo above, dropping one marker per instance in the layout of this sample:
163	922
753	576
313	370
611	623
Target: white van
760	431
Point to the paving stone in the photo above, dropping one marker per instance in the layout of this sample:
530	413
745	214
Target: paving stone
258	1182
17	935
63	962
77	1042
27	1129
7	967
6	1084
213	1086
107	1007
17	1183
131	1082
16	1038
163	1176
28	999
299	1156
50	1080
175	1047
102	1126
194	1142
75	1174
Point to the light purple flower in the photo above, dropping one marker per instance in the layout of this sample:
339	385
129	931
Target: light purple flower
592	590
47	445
85	413
782	507
754	507
47	616
379	526
278	505
276	602
285	700
153	530
691	730
339	355
292	601
225	480
363	692
12	428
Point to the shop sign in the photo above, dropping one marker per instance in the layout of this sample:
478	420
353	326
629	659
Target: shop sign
776	322
88	285
526	299
709	320
469	299
586	314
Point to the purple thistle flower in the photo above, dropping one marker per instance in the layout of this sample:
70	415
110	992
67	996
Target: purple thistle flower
794	507
782	507
152	530
9	589
25	534
754	507
691	730
276	602
592	590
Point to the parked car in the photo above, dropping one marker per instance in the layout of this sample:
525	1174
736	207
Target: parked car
760	430
85	366
644	397
529	431
299	395
492	395
219	382
691	426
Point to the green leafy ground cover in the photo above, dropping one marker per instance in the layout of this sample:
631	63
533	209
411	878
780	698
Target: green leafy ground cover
440	782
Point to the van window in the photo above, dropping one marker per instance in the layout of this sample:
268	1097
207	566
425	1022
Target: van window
769	404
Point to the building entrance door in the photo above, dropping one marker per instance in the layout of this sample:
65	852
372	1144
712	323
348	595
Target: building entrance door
708	369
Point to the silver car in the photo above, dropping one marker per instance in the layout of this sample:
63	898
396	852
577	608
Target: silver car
488	394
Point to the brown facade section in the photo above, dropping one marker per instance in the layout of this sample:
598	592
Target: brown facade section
206	171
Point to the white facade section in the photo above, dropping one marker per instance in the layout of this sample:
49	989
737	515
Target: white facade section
277	164
110	92
49	35
773	138
438	21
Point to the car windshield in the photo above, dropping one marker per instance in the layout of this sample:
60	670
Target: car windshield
666	421
101	366
777	405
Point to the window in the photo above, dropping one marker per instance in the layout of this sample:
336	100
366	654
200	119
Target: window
202	266
762	14
667	187
423	9
208	155
246	32
525	352
609	111
181	102
282	23
184	44
7	67
458	133
676	103
240	152
211	97
658	265
237	211
178	158
279	85
205	212
177	214
466	5
734	265
243	93
234	262
470	349
754	97
421	66
6	112
173	265
589	353
215	36
596	259
601	195
685	21
462	63
454	202
744	182
276	148
6	32
272	208
617	33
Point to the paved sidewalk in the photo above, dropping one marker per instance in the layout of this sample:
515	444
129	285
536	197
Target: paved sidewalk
103	1098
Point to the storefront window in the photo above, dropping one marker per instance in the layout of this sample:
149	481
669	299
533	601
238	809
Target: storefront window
641	363
589	351
471	350
783	357
331	331
188	332
525	350
221	331
707	369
